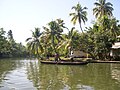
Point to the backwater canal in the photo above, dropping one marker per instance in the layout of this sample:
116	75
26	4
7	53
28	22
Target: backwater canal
25	74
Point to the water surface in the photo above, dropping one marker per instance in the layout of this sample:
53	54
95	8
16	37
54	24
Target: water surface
31	75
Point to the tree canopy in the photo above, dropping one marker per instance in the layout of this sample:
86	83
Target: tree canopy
97	40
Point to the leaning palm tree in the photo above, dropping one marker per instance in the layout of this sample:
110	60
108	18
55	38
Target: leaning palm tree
70	43
102	8
33	43
79	14
71	39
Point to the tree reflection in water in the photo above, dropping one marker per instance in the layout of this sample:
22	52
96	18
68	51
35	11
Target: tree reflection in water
115	72
57	77
5	67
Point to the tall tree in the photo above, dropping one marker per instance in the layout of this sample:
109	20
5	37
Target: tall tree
54	32
33	43
10	35
3	42
80	14
71	40
102	8
12	44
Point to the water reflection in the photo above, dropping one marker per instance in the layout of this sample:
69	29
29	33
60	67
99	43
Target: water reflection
115	72
5	67
13	75
32	75
58	77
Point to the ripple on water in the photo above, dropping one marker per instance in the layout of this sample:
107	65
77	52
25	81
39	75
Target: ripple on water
17	80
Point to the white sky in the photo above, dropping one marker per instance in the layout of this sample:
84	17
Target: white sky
21	16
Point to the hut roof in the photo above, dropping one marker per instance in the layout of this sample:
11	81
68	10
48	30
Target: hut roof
115	47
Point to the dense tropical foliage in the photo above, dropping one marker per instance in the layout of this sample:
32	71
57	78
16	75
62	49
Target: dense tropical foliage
8	46
97	40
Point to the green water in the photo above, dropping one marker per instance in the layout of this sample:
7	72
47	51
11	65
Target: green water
31	75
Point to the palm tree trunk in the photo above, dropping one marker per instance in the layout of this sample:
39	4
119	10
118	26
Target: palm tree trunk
53	43
80	25
81	28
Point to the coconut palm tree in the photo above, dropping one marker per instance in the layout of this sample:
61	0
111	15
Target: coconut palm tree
102	8
54	32
45	40
79	14
70	41
33	43
71	38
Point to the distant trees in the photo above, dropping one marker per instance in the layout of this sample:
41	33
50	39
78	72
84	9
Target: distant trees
3	42
10	35
8	46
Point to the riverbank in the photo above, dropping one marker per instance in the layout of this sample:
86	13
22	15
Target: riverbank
100	61
90	60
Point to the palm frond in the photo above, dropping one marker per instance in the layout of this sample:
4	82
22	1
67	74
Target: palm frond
28	39
72	14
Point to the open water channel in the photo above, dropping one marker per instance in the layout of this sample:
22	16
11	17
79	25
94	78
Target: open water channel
25	74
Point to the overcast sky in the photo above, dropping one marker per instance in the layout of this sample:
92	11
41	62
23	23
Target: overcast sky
22	16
